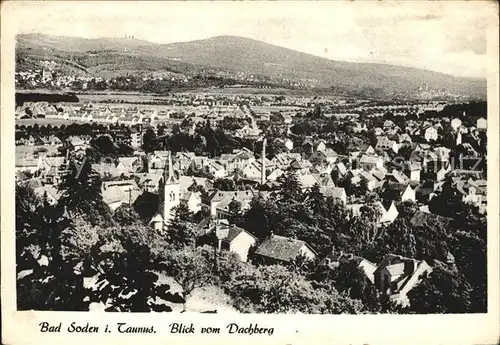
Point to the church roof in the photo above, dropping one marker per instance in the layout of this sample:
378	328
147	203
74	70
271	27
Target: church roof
169	172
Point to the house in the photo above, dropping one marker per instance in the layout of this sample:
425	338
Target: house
52	169
337	193
135	139
192	200
385	144
116	193
397	177
370	162
253	171
430	134
324	180
239	159
237	240
335	259
387	214
320	146
370	151
307	146
157	161
103	168
51	194
414	169
340	169
186	182
481	124
368	178
219	203
283	249
456	123
408	194
396	276
77	143
388	124
379	174
128	166
274	174
326	156
284	143
157	222
473	191
302	166
360	127
215	169
307	181
28	164
404	138
441	173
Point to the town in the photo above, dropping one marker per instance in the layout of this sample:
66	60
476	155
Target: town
380	205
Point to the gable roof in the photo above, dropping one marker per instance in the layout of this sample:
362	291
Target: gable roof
233	232
334	192
281	248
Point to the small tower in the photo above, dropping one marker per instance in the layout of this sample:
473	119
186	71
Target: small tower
170	197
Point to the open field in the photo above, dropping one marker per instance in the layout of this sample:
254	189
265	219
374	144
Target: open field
125	97
44	122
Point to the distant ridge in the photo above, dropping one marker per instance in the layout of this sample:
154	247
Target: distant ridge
245	55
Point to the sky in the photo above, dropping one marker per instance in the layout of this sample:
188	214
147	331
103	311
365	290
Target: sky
447	37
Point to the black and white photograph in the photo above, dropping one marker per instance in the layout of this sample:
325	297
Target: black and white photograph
196	158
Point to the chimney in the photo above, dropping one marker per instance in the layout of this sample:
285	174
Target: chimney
263	163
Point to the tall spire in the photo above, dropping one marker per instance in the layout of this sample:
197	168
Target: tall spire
169	171
263	163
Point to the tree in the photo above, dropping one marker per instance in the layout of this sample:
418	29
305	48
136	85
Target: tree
315	199
45	281
276	289
468	245
189	267
257	220
234	207
50	286
350	278
104	145
443	291
290	187
81	193
149	141
224	184
126	215
364	228
127	276
181	232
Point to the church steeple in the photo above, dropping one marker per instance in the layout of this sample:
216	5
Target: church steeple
169	192
168	172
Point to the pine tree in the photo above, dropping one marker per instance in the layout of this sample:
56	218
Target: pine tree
181	232
315	199
290	187
81	193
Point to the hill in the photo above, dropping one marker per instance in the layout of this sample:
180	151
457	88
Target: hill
240	55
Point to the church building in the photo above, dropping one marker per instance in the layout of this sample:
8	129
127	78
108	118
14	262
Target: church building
169	197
